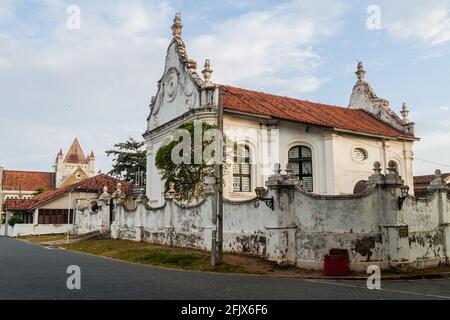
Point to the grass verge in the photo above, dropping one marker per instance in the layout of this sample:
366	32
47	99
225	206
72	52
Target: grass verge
45	238
180	258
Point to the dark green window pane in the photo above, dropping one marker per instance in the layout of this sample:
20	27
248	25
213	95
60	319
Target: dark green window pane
307	168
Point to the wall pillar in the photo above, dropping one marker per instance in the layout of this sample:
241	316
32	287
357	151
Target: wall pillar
438	185
139	219
281	236
8	215
329	164
119	199
36	217
168	215
104	212
1	190
395	231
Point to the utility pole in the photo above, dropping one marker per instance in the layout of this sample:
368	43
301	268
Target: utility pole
68	215
217	217
220	180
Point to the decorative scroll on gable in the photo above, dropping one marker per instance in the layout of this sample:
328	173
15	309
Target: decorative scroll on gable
364	97
179	89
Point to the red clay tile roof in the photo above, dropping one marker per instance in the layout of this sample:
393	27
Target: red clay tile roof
18	204
285	108
94	184
428	179
75	154
27	180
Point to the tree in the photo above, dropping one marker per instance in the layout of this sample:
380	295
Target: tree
187	177
39	191
129	160
13	220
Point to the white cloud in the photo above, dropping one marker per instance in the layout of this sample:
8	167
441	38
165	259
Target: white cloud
426	22
4	12
94	83
271	49
432	152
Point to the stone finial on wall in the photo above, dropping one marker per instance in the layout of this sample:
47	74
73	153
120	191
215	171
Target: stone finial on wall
408	126
405	114
438	184
277	169
275	179
105	197
290	174
120	195
177	27
393	178
360	72
377	177
278	179
392	167
207	72
170	194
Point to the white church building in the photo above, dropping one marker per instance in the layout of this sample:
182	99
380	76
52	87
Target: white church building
332	149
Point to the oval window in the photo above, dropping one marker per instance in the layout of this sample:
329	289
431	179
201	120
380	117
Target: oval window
359	154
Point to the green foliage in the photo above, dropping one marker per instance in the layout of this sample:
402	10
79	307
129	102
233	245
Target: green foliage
188	178
129	159
13	220
39	191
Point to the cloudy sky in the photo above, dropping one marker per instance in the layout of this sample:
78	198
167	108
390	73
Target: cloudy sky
95	83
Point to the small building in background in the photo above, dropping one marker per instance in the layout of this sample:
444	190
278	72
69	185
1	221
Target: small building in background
421	184
72	168
52	212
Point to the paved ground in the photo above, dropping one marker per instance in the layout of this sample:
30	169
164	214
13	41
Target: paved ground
30	271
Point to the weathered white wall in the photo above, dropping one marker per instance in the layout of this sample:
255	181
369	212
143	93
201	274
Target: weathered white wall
20	230
426	238
303	227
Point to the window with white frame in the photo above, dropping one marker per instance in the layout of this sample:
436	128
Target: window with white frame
301	159
242	169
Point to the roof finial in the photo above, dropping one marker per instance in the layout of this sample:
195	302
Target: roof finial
405	113
177	26
360	72
207	71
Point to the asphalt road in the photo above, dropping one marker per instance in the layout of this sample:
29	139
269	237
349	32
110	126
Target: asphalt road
30	271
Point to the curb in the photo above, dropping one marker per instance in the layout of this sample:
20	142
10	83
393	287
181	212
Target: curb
445	275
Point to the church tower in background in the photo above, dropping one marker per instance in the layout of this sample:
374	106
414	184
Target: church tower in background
74	167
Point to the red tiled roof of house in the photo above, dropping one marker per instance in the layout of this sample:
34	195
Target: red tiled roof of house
94	184
27	180
18	204
429	178
259	103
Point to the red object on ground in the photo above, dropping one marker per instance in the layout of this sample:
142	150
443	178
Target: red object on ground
336	264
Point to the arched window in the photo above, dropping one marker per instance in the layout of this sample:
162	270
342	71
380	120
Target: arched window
242	169
301	159
361	186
